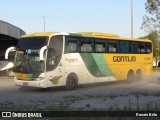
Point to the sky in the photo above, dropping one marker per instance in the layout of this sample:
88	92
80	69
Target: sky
109	16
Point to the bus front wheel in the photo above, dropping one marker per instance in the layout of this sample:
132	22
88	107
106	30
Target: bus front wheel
71	82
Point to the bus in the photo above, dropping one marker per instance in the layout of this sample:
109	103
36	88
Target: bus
68	59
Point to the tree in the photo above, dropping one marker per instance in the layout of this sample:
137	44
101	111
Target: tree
153	7
151	24
153	36
151	21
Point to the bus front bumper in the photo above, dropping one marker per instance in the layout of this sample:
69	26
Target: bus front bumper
38	84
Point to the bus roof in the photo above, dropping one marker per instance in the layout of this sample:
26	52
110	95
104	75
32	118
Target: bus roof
99	34
85	34
111	36
40	34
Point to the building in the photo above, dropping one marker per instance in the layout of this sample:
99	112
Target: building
9	35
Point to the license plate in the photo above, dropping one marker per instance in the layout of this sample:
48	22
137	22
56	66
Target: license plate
25	84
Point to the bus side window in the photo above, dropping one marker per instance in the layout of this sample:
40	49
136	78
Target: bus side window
54	52
141	47
86	45
148	47
99	45
71	45
134	48
51	59
124	46
113	46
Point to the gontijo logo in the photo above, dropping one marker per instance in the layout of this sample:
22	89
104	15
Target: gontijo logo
124	59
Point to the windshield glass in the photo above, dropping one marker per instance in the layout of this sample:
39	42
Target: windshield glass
32	42
28	61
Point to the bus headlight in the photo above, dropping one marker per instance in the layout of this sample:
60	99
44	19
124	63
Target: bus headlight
39	78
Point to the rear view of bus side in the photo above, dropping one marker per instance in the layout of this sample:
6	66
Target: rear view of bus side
68	59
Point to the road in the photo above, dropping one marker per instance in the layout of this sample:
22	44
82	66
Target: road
136	95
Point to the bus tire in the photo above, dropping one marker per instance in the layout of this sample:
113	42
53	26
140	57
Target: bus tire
71	81
130	75
139	74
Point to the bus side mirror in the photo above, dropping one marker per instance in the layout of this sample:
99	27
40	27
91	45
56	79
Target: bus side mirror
9	50
41	53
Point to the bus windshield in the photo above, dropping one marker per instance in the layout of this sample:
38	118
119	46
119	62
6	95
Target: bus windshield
32	42
28	61
27	58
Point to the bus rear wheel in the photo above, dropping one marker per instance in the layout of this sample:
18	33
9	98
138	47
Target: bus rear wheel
71	82
130	75
138	74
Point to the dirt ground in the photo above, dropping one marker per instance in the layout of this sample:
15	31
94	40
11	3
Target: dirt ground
121	95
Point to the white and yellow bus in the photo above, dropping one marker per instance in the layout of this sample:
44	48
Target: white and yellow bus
68	59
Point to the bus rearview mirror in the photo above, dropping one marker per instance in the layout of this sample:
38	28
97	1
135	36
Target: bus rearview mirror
41	53
9	50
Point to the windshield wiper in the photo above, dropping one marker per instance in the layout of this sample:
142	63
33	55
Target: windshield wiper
24	64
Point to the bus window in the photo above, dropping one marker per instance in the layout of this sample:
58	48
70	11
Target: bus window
113	46
148	47
134	47
86	45
51	59
124	46
99	45
54	52
141	47
71	45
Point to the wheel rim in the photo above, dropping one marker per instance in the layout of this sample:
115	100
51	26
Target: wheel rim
70	83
